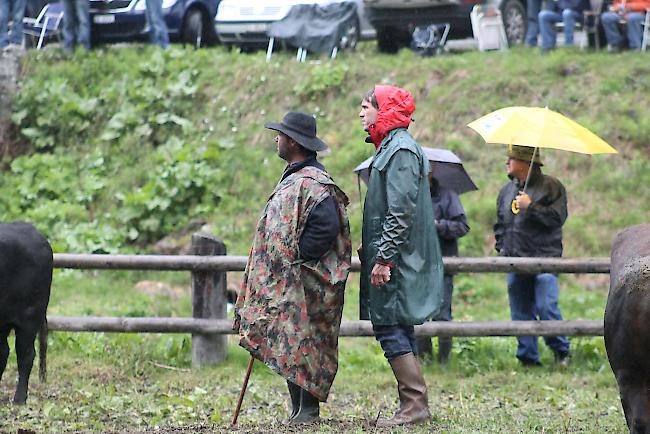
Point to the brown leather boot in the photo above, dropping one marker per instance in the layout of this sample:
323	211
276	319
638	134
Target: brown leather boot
412	390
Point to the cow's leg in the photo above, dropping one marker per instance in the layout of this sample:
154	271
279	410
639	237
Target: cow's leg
4	351
25	354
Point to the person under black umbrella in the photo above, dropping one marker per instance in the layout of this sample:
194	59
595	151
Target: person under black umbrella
451	224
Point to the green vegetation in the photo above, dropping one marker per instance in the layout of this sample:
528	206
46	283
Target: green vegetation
126	146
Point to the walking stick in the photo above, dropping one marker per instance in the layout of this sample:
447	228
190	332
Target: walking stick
243	391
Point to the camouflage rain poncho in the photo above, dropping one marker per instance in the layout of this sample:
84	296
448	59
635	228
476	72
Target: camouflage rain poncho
289	310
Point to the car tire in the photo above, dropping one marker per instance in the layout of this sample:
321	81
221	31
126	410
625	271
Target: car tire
350	38
193	29
514	21
386	40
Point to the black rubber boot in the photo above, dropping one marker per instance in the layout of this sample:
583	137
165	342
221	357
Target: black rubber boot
294	392
309	410
444	349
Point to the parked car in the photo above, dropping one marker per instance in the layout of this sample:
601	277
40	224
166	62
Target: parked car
395	20
189	21
245	22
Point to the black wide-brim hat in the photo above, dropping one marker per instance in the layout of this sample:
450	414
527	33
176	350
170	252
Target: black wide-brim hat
301	127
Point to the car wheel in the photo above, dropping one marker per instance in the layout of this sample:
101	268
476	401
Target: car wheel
514	21
193	29
351	35
387	41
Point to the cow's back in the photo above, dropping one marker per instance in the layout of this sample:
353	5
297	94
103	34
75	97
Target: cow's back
25	274
627	323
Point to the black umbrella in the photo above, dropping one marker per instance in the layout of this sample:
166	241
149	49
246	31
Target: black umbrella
449	170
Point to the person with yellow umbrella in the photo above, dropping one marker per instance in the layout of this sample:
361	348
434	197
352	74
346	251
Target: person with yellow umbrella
531	210
530	224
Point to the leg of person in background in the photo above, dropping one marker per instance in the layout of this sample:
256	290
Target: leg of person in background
5	7
547	21
569	18
69	25
635	29
546	303
521	296
18	13
610	24
445	342
157	27
423	343
532	12
83	23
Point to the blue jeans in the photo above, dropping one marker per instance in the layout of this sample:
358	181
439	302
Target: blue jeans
634	20
547	21
76	24
532	11
157	28
532	297
395	340
14	10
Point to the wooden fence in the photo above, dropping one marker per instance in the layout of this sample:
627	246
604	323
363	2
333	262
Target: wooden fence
209	326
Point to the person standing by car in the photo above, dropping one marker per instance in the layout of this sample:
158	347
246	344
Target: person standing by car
529	224
158	33
451	224
401	264
76	24
14	9
288	312
533	7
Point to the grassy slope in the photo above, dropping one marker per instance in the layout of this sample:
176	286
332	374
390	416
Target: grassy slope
105	383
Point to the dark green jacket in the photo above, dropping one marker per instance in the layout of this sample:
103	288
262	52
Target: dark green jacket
398	229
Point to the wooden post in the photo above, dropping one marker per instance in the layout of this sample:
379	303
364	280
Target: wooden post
208	302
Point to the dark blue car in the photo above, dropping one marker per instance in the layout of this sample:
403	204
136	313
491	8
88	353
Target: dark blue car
189	21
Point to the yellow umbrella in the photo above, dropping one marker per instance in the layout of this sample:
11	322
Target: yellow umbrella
538	128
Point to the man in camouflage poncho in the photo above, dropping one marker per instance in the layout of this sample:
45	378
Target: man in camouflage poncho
288	312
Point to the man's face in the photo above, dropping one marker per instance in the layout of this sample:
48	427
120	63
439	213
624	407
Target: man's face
517	168
285	146
368	115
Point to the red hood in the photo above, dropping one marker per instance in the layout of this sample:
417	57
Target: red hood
396	106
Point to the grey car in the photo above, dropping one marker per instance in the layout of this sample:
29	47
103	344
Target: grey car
395	20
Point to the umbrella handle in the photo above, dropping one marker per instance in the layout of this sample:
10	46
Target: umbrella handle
530	169
243	391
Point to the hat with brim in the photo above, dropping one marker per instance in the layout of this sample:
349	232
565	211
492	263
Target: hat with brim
524	153
301	127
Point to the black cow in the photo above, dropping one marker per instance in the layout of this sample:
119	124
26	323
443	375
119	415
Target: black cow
627	324
25	280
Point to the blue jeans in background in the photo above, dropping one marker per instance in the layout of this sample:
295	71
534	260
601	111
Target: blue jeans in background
547	21
395	340
532	11
533	297
76	24
634	20
14	10
157	28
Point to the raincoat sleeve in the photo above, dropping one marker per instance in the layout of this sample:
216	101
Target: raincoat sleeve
498	226
320	231
402	179
551	209
453	224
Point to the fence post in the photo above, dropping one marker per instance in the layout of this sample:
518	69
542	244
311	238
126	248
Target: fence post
208	301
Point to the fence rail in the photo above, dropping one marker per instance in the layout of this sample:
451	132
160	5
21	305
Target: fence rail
209	326
348	328
487	264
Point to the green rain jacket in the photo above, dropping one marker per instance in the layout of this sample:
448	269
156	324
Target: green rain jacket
398	230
